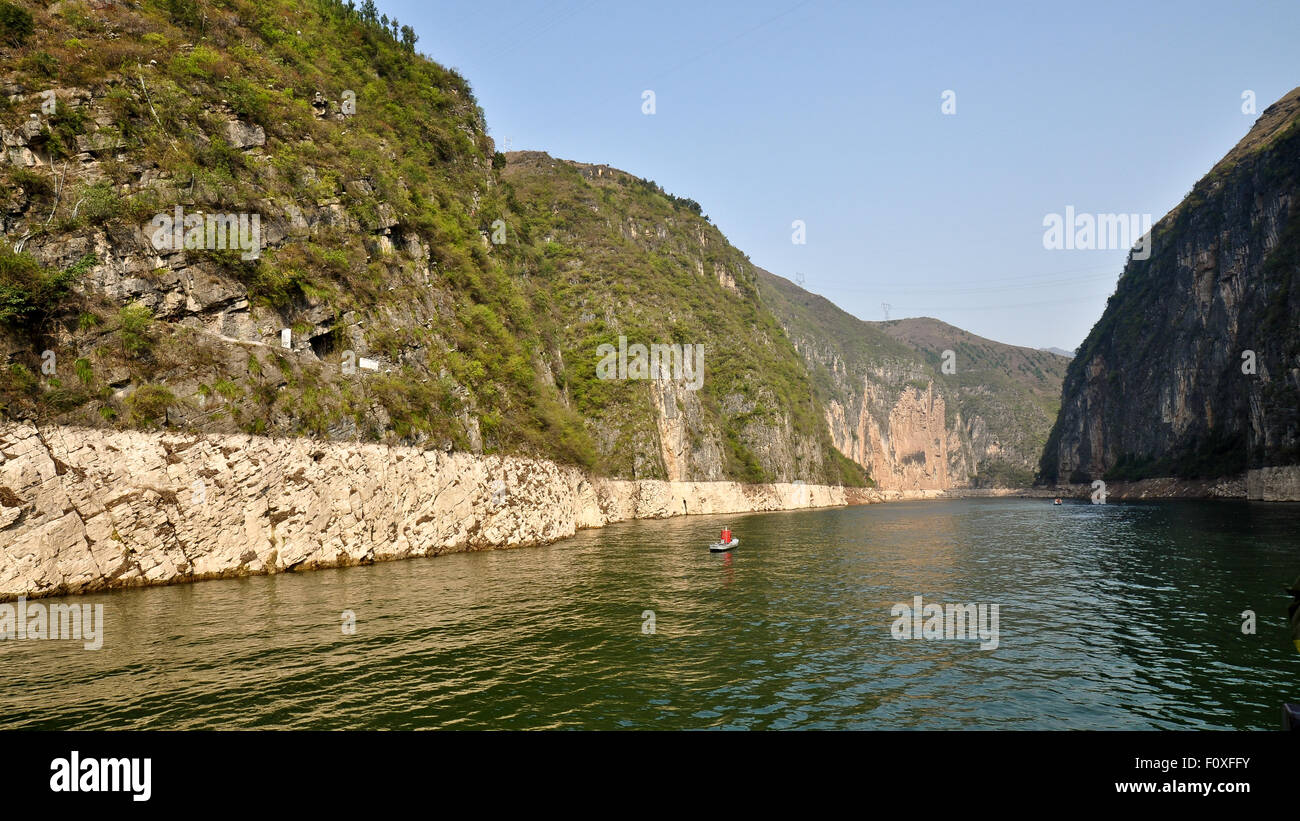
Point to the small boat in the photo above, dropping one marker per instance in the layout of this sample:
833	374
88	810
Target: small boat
722	547
1057	502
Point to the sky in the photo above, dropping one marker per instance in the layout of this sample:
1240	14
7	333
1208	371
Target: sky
832	112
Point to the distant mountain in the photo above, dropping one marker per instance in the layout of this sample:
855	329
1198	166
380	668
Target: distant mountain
892	408
1193	369
1059	352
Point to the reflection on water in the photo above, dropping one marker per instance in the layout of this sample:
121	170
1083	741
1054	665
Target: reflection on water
1112	616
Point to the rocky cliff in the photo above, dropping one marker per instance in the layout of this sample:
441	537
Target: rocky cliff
1193	369
893	407
612	260
402	282
330	279
85	509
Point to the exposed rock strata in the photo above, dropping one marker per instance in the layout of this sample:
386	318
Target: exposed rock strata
891	406
1274	484
85	509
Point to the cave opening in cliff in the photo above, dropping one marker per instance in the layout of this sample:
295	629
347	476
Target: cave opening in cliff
324	344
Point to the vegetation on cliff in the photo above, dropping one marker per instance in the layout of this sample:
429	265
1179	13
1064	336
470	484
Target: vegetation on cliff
433	294
608	255
1000	400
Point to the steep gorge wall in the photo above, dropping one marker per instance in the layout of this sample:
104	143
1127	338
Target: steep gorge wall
1194	368
902	439
85	509
407	283
891	407
623	260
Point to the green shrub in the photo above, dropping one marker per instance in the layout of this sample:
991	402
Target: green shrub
84	371
28	291
99	203
40	63
228	389
134	321
185	13
148	403
15	24
36	185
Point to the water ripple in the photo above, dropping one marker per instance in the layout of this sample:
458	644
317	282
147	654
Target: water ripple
1122	616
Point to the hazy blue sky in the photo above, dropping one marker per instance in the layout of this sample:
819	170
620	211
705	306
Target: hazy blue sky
829	111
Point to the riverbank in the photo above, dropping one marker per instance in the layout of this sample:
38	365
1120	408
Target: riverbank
1271	484
87	509
1163	488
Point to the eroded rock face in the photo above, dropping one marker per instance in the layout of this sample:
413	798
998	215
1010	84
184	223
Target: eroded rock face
890	405
244	135
1274	484
905	445
689	447
86	509
209	327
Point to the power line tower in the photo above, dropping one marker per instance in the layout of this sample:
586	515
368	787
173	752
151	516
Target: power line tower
885	306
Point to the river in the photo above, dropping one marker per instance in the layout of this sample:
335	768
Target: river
1115	616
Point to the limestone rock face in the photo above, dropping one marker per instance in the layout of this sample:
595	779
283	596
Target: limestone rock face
904	444
1274	484
243	135
891	405
1194	368
687	443
85	509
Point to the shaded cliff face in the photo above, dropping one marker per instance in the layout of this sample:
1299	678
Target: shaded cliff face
893	409
1194	367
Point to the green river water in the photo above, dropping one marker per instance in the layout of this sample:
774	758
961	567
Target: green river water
1116	616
